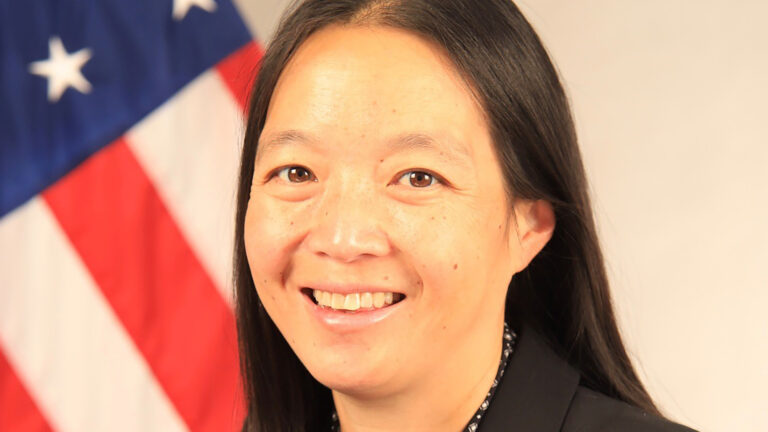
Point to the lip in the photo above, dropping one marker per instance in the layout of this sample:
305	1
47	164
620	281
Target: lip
343	322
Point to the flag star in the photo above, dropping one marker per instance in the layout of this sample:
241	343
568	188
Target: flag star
62	69
181	7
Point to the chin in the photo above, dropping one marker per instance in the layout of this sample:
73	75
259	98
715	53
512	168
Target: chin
357	388
350	380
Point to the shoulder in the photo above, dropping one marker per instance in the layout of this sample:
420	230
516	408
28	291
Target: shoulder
591	411
541	392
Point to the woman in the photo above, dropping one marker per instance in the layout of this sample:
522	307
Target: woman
415	248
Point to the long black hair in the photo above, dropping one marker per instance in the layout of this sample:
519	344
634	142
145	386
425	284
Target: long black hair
564	291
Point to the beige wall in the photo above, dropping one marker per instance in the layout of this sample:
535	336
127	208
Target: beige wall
670	103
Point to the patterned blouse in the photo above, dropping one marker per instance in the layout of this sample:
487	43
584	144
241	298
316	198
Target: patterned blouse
508	344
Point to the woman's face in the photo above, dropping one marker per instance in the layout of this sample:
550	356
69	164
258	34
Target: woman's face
375	169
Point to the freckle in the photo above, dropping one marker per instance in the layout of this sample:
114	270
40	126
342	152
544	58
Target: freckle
386	277
326	213
455	266
273	297
265	281
394	110
381	160
433	218
499	226
443	327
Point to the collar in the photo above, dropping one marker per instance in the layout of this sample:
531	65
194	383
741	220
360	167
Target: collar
536	390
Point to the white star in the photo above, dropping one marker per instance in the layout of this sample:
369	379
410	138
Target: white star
181	7
62	69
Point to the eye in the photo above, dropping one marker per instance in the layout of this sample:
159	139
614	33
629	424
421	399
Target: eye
420	179
293	174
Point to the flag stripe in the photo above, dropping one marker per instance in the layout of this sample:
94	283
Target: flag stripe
141	56
239	70
63	340
195	168
20	412
117	223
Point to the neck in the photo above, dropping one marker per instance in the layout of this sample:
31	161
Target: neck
444	399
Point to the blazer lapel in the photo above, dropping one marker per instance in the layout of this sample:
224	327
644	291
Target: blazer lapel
535	392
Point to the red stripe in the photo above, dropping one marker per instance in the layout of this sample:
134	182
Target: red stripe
20	413
158	288
239	70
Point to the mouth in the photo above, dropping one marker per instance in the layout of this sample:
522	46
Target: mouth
353	303
350	316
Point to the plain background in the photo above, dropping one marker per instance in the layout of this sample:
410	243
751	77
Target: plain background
669	98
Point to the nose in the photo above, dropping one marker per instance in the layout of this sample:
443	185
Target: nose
348	223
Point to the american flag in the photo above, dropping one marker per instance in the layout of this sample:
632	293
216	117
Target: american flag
120	129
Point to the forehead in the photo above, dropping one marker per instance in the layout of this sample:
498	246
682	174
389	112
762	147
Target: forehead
376	83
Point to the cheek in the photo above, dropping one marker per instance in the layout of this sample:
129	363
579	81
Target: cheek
268	240
457	255
445	246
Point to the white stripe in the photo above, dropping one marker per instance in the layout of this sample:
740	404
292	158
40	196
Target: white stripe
63	339
189	147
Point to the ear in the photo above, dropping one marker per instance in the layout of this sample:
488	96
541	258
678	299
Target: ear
535	223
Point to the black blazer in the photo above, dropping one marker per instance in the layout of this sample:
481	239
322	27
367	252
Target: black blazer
540	392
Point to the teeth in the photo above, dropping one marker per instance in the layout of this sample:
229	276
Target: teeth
366	300
378	299
337	301
353	302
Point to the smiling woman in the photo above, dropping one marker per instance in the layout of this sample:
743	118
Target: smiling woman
415	248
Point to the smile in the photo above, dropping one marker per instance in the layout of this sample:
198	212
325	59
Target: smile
353	302
348	313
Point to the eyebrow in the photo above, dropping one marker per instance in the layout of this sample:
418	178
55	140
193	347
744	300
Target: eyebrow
449	149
